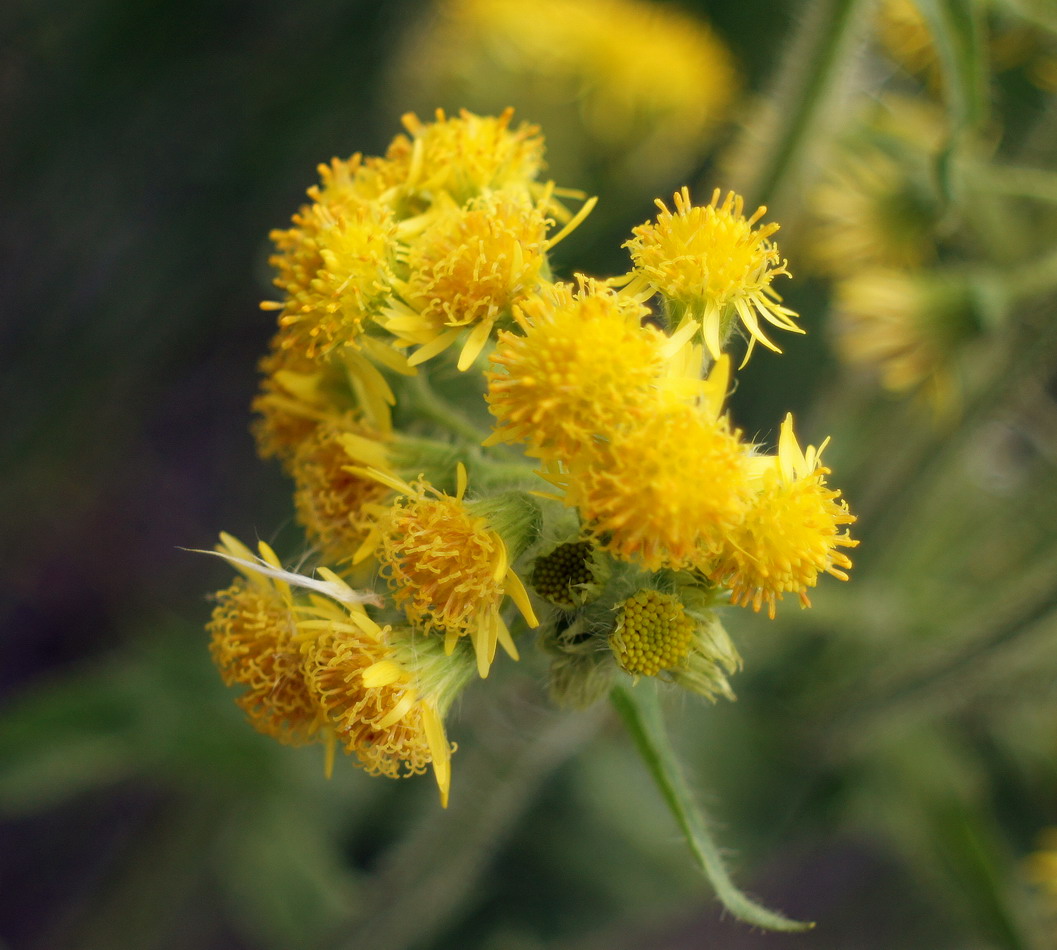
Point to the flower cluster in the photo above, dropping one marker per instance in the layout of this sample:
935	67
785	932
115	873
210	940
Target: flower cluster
421	340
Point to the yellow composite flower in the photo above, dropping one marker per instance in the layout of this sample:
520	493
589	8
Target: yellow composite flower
297	394
466	155
335	267
253	644
906	37
909	327
869	211
629	86
467	269
333	502
317	668
655	634
292	401
1041	866
790	534
448	570
357	180
713	266
584	363
661	489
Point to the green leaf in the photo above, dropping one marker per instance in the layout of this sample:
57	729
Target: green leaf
641	713
65	739
281	867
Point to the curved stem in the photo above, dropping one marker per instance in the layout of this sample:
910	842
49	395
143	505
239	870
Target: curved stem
640	710
427	403
806	81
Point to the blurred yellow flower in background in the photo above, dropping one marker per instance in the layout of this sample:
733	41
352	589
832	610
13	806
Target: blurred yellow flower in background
627	89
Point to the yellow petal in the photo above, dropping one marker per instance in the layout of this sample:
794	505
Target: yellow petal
517	593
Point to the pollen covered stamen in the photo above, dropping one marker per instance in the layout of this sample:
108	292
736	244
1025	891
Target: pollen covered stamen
653	633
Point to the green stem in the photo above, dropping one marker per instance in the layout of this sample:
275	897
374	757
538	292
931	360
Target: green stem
640	710
805	81
429	405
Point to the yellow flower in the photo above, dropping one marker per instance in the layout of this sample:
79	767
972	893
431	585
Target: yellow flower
628	87
292	402
336	268
713	265
468	268
870	211
909	327
906	37
467	155
385	693
660	489
298	394
334	502
1042	865
585	364
253	644
657	635
790	534
356	180
448	569
317	668
653	68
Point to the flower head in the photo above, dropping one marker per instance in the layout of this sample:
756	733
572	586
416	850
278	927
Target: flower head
661	489
657	634
467	155
332	500
910	327
653	633
1041	866
791	533
869	210
385	693
906	37
566	575
253	644
585	364
468	268
317	668
714	264
336	267
448	569
291	403
635	87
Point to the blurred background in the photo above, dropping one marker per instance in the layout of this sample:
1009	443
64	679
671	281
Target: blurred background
890	766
